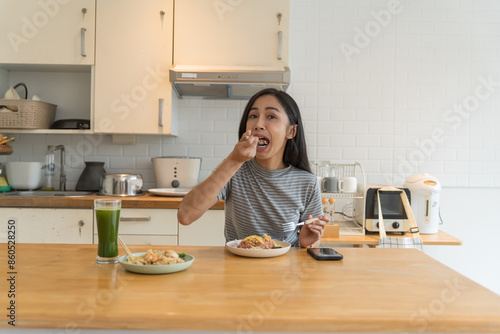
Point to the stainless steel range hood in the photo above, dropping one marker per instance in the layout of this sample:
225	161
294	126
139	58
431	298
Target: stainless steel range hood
238	82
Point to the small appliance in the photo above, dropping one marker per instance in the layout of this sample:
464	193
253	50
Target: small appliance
176	172
121	184
395	217
425	191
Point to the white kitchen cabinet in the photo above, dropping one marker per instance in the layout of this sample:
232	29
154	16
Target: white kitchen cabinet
45	32
43	225
206	231
133	94
231	33
146	226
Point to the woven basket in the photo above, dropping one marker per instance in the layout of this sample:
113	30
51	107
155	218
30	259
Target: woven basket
29	115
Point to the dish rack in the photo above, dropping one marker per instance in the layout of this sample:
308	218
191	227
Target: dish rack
347	209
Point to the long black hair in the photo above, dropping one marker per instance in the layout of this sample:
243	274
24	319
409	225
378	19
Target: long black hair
296	149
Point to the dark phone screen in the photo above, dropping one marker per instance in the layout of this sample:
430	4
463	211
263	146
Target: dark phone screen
324	254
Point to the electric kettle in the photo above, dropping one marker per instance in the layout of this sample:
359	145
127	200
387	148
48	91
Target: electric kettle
425	190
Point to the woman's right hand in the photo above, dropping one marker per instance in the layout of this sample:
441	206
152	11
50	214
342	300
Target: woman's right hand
204	195
246	148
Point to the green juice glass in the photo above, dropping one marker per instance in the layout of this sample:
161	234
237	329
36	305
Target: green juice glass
107	212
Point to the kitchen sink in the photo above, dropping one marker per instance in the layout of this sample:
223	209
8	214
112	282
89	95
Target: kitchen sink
42	193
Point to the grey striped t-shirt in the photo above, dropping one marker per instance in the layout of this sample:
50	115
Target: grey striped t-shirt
260	200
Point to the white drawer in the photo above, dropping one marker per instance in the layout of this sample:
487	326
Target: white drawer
208	230
149	240
147	221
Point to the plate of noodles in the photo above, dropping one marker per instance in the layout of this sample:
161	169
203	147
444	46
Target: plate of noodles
257	246
156	262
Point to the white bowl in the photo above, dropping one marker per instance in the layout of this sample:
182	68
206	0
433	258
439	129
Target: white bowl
23	175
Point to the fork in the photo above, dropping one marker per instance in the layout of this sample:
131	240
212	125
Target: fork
290	226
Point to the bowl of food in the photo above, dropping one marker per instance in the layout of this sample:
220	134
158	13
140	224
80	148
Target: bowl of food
156	262
257	246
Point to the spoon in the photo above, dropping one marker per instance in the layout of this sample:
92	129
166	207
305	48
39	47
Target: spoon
124	246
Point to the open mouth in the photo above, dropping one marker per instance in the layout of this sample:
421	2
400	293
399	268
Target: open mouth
263	142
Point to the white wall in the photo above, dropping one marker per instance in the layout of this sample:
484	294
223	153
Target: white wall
419	92
470	214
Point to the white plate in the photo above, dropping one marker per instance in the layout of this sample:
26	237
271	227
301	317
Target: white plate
232	246
158	269
171	192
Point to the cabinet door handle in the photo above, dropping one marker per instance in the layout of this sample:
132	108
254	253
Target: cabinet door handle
82	39
81	223
135	219
160	112
280	45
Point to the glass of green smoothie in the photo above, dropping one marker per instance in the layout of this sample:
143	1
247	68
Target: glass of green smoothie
107	213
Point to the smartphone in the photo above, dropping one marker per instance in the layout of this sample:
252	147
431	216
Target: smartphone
325	254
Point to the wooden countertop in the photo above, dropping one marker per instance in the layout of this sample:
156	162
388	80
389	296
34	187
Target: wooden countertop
371	290
440	238
147	200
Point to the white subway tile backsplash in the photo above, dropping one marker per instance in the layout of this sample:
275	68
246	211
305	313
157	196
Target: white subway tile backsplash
358	127
371	115
110	150
331	127
483	155
340	140
136	150
329	153
191	138
380	127
368	141
144	163
222	151
354	154
355	101
174	150
325	101
378	154
379	105
386	141
201	151
481	180
213	138
122	164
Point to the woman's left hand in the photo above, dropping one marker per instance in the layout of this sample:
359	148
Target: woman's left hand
312	233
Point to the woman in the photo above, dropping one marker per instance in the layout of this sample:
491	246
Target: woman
266	181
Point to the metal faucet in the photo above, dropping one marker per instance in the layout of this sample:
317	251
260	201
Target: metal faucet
62	173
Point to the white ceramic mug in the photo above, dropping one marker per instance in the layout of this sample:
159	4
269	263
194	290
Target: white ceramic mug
348	185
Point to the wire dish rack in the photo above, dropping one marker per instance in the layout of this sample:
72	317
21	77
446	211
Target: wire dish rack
347	209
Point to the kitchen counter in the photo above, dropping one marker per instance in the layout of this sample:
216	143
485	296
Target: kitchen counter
371	290
147	201
372	240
